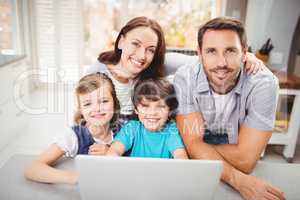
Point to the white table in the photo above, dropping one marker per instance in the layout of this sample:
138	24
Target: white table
14	186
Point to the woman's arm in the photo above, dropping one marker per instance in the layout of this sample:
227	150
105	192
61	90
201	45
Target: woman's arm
40	170
253	64
175	60
116	149
180	154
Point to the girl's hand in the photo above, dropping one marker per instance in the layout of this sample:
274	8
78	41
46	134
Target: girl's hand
253	64
98	149
71	177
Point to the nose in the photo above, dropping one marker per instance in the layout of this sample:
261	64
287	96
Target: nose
222	60
141	53
96	107
151	111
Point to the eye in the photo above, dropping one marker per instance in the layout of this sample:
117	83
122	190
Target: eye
135	44
144	105
210	51
103	100
162	106
230	50
86	104
152	51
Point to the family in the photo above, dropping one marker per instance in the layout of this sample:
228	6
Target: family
220	105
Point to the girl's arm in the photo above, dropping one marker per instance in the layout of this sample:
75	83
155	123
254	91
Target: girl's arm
40	170
180	154
116	149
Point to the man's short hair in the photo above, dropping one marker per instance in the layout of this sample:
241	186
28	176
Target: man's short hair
223	23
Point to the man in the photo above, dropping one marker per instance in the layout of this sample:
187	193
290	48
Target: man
224	113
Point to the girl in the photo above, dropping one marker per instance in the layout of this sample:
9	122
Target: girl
97	112
154	134
139	53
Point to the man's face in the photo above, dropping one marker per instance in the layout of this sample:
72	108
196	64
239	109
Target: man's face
222	56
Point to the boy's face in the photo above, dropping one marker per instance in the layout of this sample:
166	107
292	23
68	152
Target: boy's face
153	114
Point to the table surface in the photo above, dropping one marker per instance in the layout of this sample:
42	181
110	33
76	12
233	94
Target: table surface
13	185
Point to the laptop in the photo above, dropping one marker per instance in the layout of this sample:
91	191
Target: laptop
127	178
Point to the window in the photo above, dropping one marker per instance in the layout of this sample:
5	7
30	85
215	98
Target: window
9	28
58	39
71	33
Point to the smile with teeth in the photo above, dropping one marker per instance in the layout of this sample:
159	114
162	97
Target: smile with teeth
98	115
136	62
152	120
221	73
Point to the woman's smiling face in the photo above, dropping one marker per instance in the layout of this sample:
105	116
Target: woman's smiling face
138	49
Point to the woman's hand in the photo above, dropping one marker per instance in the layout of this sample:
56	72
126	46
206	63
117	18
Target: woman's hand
98	149
253	64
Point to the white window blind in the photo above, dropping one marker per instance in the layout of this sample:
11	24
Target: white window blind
59	39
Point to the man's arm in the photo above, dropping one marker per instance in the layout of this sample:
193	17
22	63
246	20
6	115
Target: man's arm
245	154
257	127
191	129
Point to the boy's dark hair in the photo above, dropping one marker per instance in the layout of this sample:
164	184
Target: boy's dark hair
223	23
154	90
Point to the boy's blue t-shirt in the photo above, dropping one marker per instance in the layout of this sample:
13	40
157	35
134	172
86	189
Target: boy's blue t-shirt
144	143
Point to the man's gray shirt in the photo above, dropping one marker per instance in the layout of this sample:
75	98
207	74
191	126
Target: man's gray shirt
255	99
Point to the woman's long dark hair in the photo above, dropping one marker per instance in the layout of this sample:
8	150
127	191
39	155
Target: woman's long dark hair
156	67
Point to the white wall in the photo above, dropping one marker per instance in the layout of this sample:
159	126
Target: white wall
276	19
236	9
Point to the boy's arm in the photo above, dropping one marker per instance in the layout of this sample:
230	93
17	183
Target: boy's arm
40	170
116	149
180	154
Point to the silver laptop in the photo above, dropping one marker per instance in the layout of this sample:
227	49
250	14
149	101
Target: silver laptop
122	178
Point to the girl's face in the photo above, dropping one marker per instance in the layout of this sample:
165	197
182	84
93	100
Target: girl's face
138	49
97	107
153	114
